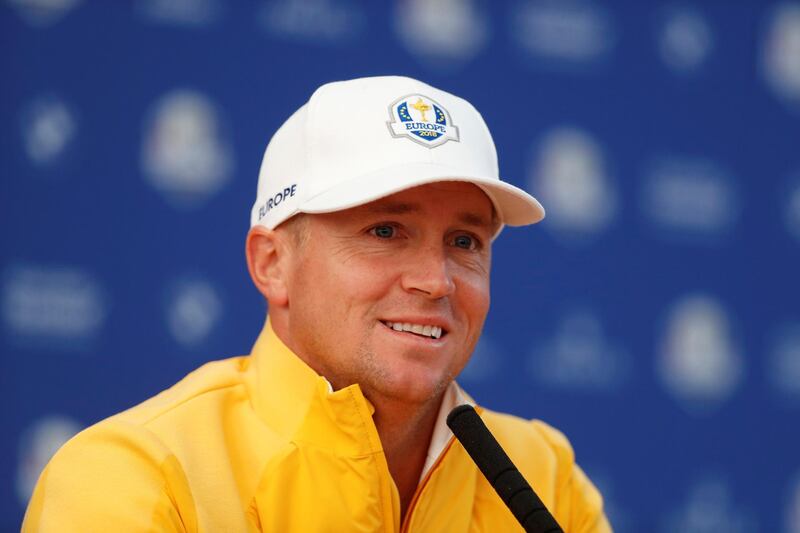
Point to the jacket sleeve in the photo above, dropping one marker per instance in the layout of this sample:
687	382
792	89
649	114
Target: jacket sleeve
111	477
579	505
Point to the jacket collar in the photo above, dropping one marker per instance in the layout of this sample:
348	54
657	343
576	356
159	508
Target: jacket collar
299	405
285	391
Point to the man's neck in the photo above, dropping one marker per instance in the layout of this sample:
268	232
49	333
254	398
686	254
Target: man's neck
405	434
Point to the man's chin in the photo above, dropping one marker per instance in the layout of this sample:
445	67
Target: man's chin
413	390
404	376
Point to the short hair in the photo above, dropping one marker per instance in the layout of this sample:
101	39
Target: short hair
297	228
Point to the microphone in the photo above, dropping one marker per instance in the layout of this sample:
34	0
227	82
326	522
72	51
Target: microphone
501	473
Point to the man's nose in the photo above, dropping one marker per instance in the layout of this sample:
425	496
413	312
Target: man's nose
428	273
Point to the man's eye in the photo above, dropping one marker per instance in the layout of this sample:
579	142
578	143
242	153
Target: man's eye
383	232
466	242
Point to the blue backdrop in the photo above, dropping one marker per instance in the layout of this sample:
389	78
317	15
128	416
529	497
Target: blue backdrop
653	316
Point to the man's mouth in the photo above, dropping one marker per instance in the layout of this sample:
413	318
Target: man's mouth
423	330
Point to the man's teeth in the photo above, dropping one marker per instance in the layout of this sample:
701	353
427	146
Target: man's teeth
419	329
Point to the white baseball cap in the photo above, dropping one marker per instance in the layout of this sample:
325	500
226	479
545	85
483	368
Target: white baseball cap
360	140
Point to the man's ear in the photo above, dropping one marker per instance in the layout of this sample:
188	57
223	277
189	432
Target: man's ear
267	259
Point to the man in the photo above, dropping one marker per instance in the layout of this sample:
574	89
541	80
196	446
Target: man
371	239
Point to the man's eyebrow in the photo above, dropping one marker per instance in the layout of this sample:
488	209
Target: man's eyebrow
474	219
401	208
394	208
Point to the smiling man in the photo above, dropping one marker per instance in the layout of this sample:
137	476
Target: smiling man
370	238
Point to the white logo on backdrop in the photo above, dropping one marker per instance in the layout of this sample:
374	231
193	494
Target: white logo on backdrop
485	364
699	360
185	154
580	355
780	55
565	32
684	39
63	307
37	445
48	128
43	13
783	365
709	508
690	198
792	516
445	33
181	12
792	210
193	309
569	176
320	21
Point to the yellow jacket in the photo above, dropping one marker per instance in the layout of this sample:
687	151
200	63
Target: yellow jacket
260	443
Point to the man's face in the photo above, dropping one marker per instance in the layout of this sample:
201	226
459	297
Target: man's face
420	257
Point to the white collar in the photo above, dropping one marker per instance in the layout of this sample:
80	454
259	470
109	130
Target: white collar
453	397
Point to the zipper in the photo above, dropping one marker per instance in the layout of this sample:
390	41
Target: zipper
411	506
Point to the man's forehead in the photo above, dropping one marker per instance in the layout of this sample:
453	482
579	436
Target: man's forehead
396	207
469	204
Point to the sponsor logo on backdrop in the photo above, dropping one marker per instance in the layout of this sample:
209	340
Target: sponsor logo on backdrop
780	52
56	307
49	128
313	21
193	309
422	120
572	35
783	362
792	512
684	39
791	209
186	153
444	34
193	13
709	506
699	361
43	13
569	175
579	356
690	198
37	444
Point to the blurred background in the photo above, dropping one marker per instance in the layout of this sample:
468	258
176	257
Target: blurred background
654	316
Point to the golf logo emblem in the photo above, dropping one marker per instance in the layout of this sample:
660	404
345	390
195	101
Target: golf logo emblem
422	120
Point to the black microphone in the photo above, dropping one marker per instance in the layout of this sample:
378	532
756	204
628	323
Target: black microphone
501	473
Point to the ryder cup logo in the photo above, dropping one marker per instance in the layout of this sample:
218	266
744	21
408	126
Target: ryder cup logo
422	120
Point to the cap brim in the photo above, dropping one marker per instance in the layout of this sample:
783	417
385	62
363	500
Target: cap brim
514	206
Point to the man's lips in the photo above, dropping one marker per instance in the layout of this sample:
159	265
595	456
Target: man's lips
426	328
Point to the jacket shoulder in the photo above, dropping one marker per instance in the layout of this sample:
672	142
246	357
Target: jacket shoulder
125	466
114	470
520	437
546	459
210	378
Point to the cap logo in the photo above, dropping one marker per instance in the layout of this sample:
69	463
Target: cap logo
422	120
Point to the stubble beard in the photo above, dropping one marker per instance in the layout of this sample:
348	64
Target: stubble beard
377	379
